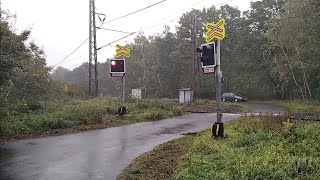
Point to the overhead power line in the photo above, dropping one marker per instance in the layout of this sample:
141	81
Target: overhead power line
116	40
113	30
108	29
131	33
171	20
134	12
71	52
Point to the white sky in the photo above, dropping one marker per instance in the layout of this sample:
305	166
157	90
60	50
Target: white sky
59	26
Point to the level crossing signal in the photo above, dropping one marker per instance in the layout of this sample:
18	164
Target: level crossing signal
117	67
207	55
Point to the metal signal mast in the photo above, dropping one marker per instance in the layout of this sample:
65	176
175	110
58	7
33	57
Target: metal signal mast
93	69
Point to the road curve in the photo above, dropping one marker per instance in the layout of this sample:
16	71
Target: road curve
99	154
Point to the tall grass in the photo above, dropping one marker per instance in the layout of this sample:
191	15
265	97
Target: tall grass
71	113
256	148
301	106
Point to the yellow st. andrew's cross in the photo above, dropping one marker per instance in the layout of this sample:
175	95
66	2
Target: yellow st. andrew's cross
215	30
122	51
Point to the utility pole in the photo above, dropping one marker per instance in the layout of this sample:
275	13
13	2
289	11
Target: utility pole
93	70
194	56
144	69
218	83
0	10
123	99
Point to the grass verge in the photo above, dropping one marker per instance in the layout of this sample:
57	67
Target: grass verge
205	105
159	163
73	115
300	106
303	106
256	148
244	108
65	116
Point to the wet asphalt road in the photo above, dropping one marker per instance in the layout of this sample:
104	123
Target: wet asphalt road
99	154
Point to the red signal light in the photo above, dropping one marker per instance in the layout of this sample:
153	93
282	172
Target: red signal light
117	65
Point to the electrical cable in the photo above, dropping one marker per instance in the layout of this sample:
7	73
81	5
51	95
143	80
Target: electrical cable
109	22
71	52
100	27
166	23
116	40
134	12
113	30
163	23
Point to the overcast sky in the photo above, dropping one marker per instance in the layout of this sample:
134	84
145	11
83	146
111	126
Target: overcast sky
59	26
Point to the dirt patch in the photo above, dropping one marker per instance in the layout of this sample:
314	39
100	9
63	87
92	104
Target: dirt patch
191	134
211	108
236	109
159	163
308	116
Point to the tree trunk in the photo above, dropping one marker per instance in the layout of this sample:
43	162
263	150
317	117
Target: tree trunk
292	73
144	79
306	84
304	75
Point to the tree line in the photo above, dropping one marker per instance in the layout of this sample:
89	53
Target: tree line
270	51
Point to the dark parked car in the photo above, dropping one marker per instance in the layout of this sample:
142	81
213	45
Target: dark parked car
233	97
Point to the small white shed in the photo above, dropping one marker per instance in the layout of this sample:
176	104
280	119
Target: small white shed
185	95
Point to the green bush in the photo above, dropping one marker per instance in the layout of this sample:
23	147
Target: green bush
151	115
142	105
56	124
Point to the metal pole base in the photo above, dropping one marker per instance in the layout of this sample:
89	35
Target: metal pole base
122	111
217	130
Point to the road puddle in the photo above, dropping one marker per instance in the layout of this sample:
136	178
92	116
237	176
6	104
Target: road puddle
6	153
175	129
